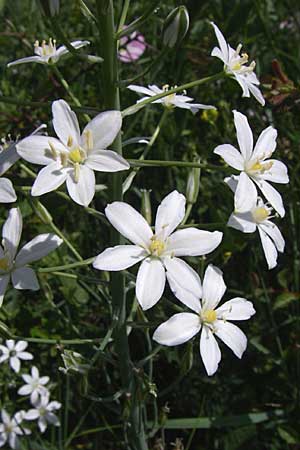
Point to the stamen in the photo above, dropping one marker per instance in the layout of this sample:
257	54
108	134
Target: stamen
209	316
64	158
76	156
70	141
89	139
54	153
260	214
76	172
156	247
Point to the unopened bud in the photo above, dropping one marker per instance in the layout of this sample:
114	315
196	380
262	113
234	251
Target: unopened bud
193	184
146	205
176	26
41	211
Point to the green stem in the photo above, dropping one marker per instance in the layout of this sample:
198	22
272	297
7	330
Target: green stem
138	22
57	341
137	106
105	12
158	163
66	241
123	15
82	262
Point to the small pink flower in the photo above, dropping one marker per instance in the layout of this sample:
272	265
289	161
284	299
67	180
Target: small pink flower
132	47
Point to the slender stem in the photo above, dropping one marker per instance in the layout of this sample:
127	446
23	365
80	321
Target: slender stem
82	262
158	163
57	341
138	22
123	15
66	241
132	109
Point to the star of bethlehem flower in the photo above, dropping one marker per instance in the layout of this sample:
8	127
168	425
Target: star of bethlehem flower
255	165
235	65
48	53
258	218
14	265
8	157
35	385
10	429
158	251
43	412
207	317
73	157
170	101
13	352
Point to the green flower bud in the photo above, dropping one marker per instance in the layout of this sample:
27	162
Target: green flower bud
193	183
146	205
176	26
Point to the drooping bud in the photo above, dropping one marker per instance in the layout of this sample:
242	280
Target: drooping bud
176	26
193	183
146	205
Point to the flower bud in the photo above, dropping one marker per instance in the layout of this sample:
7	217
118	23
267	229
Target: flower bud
176	26
193	183
146	205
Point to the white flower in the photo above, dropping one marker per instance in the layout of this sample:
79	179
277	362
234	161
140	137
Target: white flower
255	165
14	265
183	326
235	66
13	352
74	157
43	412
48	53
170	101
258	217
10	429
35	385
158	251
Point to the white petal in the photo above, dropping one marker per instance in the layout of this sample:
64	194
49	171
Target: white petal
8	157
178	329
278	173
83	191
106	161
269	249
38	248
4	279
25	355
25	278
193	242
242	221
119	257
209	351
36	149
62	50
7	192
129	223
273	231
272	195
53	419
150	282
42	424
169	214
32	414
25	390
20	346
13	440
28	59
236	309
232	336
213	287
104	127
222	42
184	282
231	156
15	364
244	134
266	144
257	94
245	195
141	90
11	232
49	179
65	122
243	83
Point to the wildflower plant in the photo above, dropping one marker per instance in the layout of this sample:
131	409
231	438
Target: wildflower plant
138	266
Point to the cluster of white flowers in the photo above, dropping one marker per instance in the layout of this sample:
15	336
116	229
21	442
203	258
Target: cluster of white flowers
43	410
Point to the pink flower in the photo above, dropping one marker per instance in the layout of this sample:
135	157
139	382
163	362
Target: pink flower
132	47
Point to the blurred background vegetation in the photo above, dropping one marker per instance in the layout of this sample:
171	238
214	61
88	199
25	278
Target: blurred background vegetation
248	404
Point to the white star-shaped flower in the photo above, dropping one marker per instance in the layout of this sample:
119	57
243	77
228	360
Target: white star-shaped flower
170	101
256	167
73	157
43	412
235	66
48	53
13	352
258	218
10	429
35	385
14	265
206	316
158	251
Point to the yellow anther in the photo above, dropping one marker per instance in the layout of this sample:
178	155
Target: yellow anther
256	166
236	66
260	214
36	44
64	158
70	141
54	153
76	156
89	139
4	264
76	172
209	316
165	87
156	247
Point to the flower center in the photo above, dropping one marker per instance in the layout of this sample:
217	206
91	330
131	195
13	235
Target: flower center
260	214
156	247
168	101
4	264
237	62
45	49
261	168
76	155
209	316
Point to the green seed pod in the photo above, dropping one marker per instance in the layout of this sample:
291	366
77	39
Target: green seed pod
193	183
146	205
176	26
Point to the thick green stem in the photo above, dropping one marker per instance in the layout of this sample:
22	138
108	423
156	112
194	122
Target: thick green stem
108	50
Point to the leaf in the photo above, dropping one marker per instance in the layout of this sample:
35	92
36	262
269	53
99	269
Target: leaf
285	299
